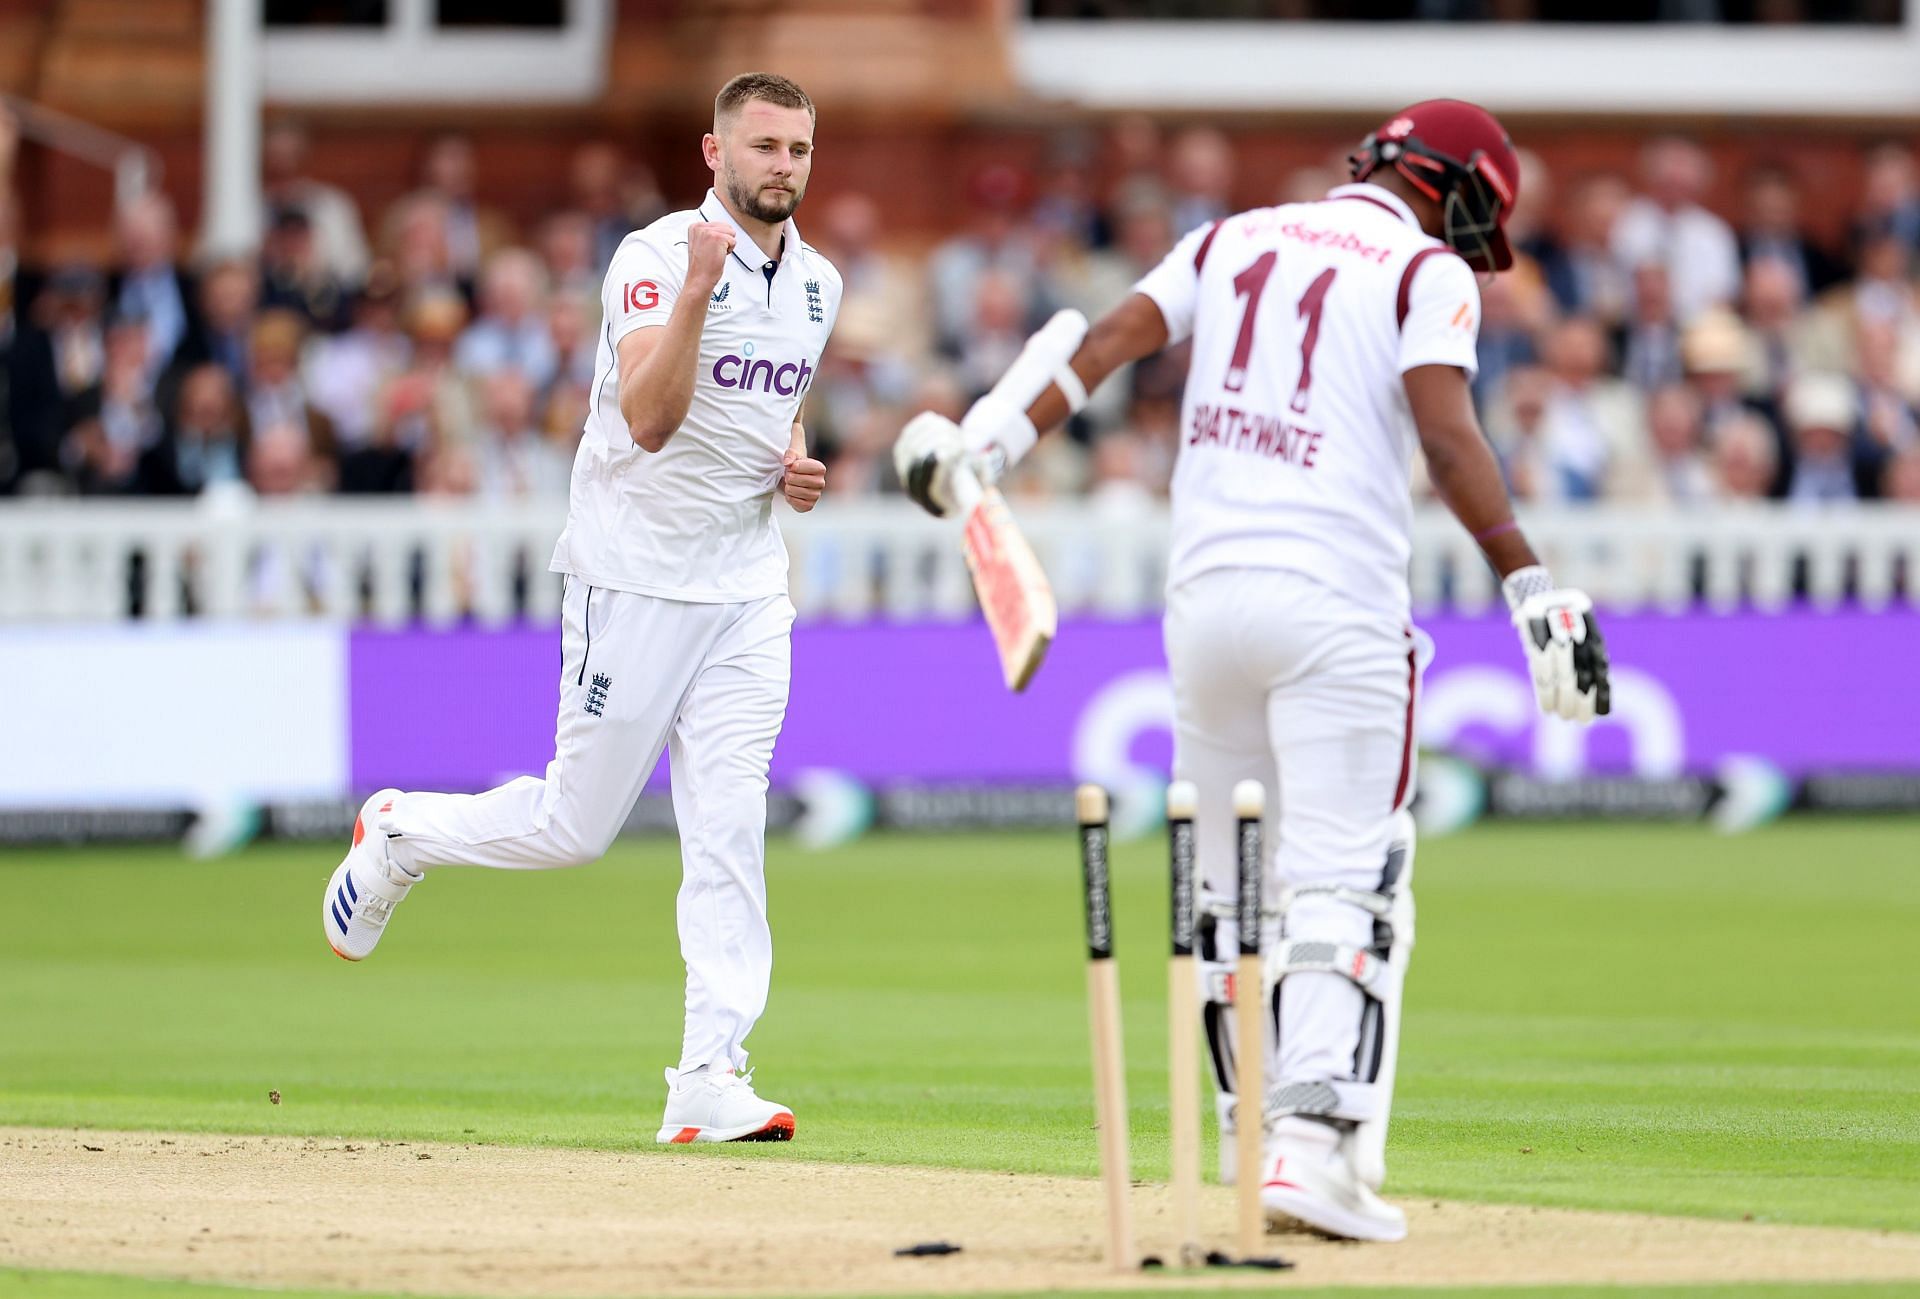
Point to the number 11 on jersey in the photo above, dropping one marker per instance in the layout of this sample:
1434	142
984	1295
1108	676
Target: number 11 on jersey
1250	284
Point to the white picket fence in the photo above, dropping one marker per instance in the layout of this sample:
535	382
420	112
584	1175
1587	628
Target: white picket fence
394	561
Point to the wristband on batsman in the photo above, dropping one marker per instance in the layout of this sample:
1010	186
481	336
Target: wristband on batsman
1522	584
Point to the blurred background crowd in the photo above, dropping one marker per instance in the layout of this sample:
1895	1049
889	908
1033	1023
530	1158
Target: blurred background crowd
1648	348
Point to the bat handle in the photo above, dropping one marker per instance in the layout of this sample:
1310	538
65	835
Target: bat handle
964	488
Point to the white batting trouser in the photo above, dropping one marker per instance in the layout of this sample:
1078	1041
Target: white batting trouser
639	674
1280	679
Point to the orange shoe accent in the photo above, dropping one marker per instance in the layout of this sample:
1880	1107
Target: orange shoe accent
684	1136
387	806
359	832
782	1122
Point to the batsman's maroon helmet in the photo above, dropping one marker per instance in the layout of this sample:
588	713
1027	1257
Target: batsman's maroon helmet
1458	155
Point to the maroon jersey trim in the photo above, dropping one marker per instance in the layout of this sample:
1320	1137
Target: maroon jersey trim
1404	302
1406	744
1362	198
1200	253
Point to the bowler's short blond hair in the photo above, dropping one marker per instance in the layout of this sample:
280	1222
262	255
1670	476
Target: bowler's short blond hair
768	87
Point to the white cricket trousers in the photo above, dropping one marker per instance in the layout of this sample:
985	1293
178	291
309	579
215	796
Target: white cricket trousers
1280	679
638	674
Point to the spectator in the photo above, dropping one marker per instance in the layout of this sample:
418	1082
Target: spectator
1890	199
421	406
994	242
229	296
1143	232
1773	302
280	462
421	248
1068	206
1593	425
1133	159
1594	284
276	396
618	197
347	370
1202	176
117	419
1517	430
473	233
1512	315
512	331
339	238
1542	255
575	341
58	354
1821	416
1650	345
881	286
513	461
1887	386
1900	481
149	285
1667	225
451	470
1719	355
292	275
1771	229
281	578
1744	460
1676	425
1309	184
996	331
1118	487
567	256
206	441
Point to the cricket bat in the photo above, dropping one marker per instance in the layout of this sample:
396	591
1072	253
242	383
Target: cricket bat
1007	577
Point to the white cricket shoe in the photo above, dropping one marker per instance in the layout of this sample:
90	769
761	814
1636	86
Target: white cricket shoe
366	885
1310	1181
717	1104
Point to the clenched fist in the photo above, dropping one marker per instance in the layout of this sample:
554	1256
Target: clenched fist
803	482
708	243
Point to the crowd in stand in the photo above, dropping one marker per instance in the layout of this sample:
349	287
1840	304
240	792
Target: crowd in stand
1646	348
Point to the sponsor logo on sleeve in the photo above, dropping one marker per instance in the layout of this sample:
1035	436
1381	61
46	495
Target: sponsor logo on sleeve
643	295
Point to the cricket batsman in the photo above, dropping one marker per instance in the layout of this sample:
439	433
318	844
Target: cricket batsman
675	620
1328	337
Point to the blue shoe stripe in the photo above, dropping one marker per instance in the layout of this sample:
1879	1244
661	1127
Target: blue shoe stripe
354	891
345	905
338	919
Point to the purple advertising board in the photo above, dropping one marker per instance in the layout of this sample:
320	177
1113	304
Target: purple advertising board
922	703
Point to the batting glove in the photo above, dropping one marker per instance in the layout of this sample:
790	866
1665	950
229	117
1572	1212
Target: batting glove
924	455
1565	652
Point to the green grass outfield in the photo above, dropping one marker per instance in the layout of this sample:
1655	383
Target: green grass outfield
1622	1017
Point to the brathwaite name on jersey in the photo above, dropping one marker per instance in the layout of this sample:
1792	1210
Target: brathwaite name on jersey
1253	433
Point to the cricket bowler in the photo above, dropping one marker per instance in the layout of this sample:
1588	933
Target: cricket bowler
675	620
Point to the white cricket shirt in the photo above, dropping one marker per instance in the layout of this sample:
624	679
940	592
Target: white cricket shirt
1296	435
694	520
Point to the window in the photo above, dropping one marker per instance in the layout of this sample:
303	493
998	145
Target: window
436	51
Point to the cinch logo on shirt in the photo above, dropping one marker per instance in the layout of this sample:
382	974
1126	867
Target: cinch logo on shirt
732	371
